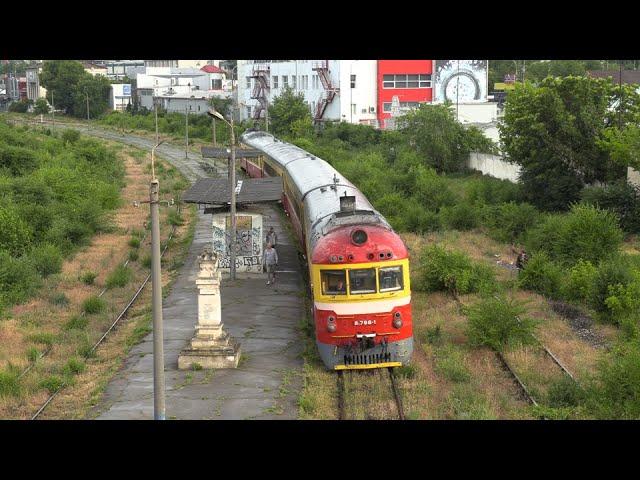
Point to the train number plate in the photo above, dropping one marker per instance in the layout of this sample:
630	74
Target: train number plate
358	323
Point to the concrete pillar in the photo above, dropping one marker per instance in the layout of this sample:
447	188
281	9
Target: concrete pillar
211	346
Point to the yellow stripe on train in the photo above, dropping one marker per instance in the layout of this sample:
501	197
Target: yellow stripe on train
371	365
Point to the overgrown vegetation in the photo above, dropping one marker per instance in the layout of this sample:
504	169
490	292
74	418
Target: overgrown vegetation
56	193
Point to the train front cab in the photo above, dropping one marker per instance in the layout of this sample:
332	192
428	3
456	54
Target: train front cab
362	314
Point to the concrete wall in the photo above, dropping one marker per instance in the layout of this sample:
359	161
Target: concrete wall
494	166
633	176
250	241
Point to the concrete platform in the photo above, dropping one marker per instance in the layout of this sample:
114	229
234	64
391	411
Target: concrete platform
264	319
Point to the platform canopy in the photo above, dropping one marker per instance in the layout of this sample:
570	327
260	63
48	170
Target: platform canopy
251	190
212	152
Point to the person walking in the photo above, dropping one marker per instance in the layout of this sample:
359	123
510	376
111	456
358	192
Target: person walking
272	238
270	260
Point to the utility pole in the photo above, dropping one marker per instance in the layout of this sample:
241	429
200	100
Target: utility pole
186	131
232	166
156	112
156	282
266	113
85	92
457	93
213	127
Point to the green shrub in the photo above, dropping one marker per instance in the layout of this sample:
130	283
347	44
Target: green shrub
9	384
406	371
33	354
175	218
615	391
462	216
46	258
134	242
15	233
88	278
581	281
499	322
74	366
612	272
623	304
542	275
434	335
506	222
93	305
44	338
146	261
453	272
77	322
485	190
585	233
565	392
70	136
620	197
59	299
119	277
133	255
18	279
52	383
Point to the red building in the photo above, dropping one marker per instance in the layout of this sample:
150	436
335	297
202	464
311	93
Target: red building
409	80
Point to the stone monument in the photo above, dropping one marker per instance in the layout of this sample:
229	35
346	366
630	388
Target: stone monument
211	347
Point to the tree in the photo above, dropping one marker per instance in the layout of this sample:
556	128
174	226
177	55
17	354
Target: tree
42	107
285	110
438	137
556	132
97	88
21	107
222	105
61	77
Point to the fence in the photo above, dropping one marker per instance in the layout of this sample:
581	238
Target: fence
494	166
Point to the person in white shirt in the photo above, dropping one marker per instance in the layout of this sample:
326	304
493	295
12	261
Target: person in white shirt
270	260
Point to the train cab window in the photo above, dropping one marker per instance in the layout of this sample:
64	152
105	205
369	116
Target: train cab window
333	282
362	281
391	279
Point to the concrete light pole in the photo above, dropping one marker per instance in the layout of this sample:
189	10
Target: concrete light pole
232	187
156	282
156	112
186	131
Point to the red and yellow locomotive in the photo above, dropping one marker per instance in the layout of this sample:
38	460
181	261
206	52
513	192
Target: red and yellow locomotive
358	266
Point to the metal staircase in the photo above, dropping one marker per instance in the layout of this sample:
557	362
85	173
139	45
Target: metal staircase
260	74
329	92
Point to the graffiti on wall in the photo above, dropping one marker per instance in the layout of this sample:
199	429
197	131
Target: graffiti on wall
248	244
461	81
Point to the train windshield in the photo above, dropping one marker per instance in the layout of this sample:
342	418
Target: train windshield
391	278
362	281
334	282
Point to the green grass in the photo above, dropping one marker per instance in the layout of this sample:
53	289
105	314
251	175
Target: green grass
450	364
133	255
120	277
93	305
134	242
88	278
9	384
44	338
59	299
52	383
77	322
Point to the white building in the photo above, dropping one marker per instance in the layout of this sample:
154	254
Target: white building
334	90
119	96
176	88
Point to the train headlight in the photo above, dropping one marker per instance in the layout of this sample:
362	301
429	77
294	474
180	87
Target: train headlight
331	324
397	320
359	237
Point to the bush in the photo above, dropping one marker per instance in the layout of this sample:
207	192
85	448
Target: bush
542	275
621	198
453	272
146	261
18	279
611	273
9	384
485	190
585	233
119	277
46	259
134	242
174	218
15	233
77	322
581	281
133	255
59	299
70	136
52	383
73	367
463	216
44	338
506	222
498	322
33	354
565	393
88	278
93	305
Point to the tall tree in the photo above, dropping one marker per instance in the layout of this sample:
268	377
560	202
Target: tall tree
61	77
286	109
97	88
557	133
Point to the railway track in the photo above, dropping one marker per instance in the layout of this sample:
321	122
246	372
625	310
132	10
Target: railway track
524	391
111	327
362	380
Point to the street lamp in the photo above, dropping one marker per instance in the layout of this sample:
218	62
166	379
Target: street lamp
232	185
156	284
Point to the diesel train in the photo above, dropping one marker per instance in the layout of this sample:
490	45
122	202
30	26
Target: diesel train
358	266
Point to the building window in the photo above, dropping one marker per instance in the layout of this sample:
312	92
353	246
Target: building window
249	112
294	82
285	81
216	84
353	81
275	81
248	82
406	81
386	107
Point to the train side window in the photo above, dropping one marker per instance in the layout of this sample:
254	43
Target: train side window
333	282
362	281
391	279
